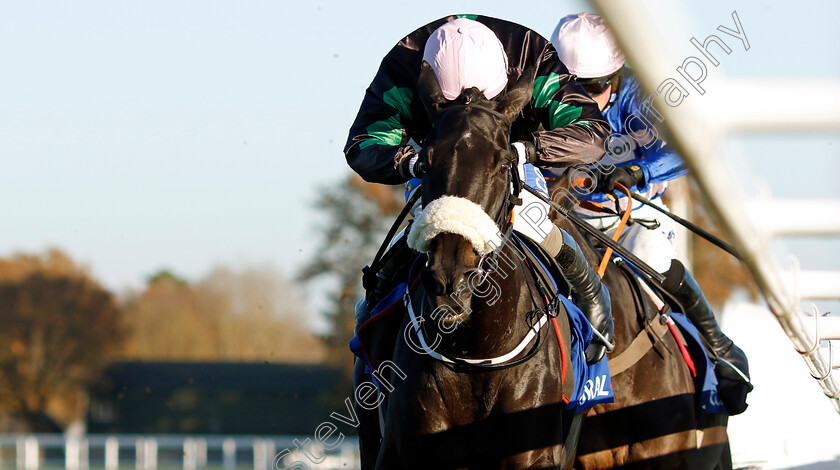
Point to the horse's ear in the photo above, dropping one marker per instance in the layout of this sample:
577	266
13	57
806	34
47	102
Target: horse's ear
429	89
517	97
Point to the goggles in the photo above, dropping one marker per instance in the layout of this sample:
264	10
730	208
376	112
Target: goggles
596	86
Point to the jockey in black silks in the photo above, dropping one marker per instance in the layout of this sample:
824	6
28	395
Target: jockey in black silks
645	165
560	127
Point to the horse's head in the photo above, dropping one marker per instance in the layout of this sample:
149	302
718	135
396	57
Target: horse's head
469	170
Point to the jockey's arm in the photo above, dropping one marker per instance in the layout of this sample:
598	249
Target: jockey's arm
632	116
378	134
661	165
575	129
389	115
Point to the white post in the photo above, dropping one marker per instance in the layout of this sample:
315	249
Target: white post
71	453
201	453
20	453
229	453
260	457
270	452
112	453
139	455
84	454
151	453
31	453
347	454
189	454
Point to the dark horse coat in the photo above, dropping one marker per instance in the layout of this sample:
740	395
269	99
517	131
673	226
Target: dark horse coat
441	417
655	421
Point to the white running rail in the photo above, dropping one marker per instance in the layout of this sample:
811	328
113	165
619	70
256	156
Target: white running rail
152	452
697	127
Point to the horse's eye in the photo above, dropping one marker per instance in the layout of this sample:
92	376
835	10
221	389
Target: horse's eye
505	168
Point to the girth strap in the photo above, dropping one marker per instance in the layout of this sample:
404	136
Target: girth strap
655	327
640	345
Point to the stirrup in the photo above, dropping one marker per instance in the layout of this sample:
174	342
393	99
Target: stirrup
606	342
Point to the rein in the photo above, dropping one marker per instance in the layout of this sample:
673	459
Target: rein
482	365
649	272
652	332
369	279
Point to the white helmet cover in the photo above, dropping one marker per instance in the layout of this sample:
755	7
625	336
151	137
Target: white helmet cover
464	54
586	46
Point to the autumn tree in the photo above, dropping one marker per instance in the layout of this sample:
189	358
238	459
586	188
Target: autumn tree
58	329
253	314
166	321
357	216
261	315
718	273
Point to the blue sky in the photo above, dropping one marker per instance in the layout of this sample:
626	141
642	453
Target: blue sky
141	135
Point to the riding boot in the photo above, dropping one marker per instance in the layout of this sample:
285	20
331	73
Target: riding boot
731	366
590	295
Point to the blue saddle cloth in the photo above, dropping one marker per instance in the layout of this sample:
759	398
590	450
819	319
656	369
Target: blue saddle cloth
706	382
360	345
593	384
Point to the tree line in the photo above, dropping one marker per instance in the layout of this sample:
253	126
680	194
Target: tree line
59	329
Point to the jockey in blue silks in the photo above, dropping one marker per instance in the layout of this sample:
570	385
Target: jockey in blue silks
639	159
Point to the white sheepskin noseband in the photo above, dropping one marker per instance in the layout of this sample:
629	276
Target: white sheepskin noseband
450	214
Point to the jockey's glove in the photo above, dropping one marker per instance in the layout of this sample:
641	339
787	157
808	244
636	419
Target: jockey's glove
629	176
526	152
407	163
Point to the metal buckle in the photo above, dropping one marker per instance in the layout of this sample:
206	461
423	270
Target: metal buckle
479	269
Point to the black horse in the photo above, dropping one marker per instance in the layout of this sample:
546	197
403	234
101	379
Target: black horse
450	412
655	421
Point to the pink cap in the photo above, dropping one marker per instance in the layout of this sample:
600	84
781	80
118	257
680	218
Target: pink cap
586	46
464	54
